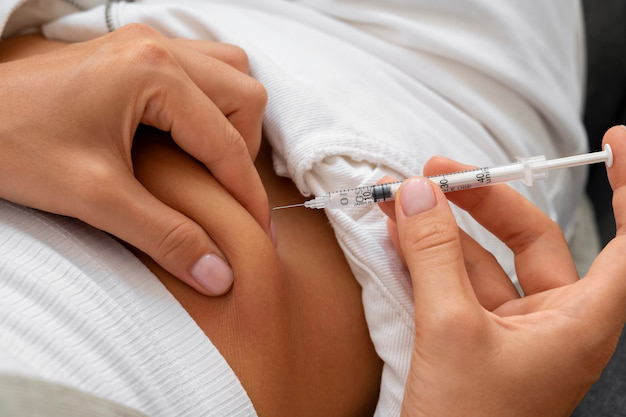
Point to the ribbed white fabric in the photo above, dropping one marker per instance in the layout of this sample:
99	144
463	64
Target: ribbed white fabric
358	90
77	308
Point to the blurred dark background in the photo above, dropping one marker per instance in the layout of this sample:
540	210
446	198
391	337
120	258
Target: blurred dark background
605	106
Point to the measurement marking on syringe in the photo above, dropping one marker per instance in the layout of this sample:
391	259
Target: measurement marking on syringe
484	175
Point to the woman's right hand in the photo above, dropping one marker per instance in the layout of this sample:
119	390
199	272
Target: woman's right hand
530	356
67	123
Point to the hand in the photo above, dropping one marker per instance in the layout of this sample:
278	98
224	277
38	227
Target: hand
530	356
67	125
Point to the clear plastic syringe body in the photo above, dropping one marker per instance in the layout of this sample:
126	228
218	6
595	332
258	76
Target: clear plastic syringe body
527	170
372	194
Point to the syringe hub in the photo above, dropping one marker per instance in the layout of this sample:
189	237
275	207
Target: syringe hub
317	202
534	169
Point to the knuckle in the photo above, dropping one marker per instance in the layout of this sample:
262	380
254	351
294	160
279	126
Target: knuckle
434	245
98	180
254	95
237	58
97	188
237	146
149	52
138	30
231	149
456	324
433	235
233	142
178	239
259	94
521	240
140	44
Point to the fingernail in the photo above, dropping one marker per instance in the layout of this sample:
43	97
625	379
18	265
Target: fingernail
273	233
213	274
623	127
416	196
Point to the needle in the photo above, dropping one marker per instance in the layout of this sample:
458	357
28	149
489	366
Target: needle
289	206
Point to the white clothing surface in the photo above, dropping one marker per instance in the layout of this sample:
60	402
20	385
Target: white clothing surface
77	308
358	90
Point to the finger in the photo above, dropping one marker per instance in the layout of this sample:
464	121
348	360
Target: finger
542	257
238	96
616	139
127	210
230	54
429	239
606	275
241	98
490	282
609	269
175	104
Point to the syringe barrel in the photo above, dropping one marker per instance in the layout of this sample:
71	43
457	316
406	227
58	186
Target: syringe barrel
526	169
362	196
478	177
464	180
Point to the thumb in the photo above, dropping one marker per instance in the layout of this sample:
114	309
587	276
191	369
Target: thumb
429	239
608	270
171	239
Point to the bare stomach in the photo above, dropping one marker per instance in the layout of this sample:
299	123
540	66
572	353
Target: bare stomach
292	328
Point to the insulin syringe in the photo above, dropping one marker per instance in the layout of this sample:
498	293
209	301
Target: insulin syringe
527	170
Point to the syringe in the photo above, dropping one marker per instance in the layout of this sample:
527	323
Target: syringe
525	169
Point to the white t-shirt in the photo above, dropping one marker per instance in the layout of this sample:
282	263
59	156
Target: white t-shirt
358	90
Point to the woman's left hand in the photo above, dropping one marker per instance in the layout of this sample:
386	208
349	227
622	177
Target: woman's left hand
68	122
